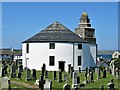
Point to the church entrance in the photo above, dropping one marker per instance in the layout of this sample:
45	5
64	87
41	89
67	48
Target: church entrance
62	65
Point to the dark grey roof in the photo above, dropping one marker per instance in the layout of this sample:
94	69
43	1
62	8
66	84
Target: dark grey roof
56	32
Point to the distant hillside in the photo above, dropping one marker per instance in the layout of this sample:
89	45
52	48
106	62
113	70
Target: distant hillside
106	51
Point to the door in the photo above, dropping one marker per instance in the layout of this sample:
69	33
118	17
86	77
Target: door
62	65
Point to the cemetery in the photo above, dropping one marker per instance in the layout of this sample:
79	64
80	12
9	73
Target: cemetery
16	77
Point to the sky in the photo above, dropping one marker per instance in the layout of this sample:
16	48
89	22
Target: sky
22	20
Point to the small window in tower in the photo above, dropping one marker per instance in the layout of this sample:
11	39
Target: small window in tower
79	46
51	60
79	60
27	48
52	46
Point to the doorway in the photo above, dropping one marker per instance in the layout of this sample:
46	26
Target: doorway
62	65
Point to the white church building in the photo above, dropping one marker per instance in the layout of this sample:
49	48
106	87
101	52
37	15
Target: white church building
57	47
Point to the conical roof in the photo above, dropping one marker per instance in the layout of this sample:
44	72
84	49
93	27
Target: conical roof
56	32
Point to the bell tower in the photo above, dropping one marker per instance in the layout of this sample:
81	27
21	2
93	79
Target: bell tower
85	30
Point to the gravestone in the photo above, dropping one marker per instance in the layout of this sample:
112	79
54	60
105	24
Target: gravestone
86	72
74	79
110	71
20	68
5	83
28	74
43	69
46	74
91	77
33	73
78	79
98	75
41	83
0	71
66	87
89	70
79	69
111	85
65	77
69	68
54	75
13	70
48	85
102	87
104	73
19	75
60	76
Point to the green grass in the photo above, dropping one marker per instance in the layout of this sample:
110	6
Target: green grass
55	84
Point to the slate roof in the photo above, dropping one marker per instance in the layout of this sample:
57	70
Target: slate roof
56	32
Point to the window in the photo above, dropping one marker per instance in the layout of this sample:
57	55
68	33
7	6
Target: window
79	60
51	60
52	46
79	46
27	48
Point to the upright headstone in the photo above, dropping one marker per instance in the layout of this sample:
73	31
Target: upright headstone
91	76
110	71
5	83
104	73
65	77
102	87
79	69
78	79
43	69
54	75
13	70
60	76
48	85
41	83
86	72
74	79
66	87
98	75
28	74
19	75
46	74
69	68
33	73
111	85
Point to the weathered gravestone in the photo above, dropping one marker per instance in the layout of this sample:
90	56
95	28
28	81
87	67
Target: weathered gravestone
43	69
104	73
60	76
19	75
111	85
46	74
98	75
41	83
28	74
33	73
66	87
78	79
5	83
65	77
102	87
48	85
54	75
69	68
74	79
91	76
86	72
79	69
13	70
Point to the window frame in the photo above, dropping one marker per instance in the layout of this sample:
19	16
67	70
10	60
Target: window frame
51	45
79	46
79	60
51	60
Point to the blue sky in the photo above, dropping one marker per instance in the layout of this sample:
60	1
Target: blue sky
22	20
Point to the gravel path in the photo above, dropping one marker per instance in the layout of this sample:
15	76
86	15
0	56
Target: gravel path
24	84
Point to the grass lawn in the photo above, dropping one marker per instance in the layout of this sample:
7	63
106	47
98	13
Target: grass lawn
55	84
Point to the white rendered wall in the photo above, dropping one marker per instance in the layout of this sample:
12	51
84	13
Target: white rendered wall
39	53
93	51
